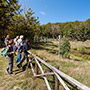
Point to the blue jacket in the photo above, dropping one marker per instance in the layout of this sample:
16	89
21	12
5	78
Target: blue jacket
24	48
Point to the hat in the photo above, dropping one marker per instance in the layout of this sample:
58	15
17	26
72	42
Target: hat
17	37
21	36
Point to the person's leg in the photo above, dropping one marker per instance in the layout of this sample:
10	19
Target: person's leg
10	64
7	69
22	59
27	60
18	57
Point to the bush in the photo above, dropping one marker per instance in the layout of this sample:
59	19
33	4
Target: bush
65	48
81	49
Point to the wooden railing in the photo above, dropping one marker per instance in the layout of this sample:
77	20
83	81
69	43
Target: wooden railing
60	77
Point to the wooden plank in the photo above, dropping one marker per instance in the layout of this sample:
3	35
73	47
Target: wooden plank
45	74
80	85
32	67
36	68
56	80
46	81
61	81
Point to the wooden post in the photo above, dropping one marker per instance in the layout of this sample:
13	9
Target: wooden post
36	68
56	81
59	47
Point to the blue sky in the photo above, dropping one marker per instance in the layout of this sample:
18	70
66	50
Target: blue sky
58	10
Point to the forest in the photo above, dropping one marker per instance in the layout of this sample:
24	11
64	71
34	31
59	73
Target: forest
15	21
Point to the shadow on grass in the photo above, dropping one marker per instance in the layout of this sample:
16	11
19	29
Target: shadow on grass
70	85
52	51
77	59
21	69
41	45
52	83
18	72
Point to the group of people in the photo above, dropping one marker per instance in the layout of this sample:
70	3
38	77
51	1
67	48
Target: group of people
13	46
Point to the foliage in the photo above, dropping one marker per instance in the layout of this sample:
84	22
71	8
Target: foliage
65	48
74	30
27	25
12	22
81	49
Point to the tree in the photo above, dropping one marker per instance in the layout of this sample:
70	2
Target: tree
8	8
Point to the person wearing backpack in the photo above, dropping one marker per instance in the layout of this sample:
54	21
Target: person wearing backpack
9	56
24	54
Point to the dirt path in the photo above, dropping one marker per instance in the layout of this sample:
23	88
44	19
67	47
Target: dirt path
1	88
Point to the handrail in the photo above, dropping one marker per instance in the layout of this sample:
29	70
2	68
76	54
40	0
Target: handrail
64	85
58	72
43	73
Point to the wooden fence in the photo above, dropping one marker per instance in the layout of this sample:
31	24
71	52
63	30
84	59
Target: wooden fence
60	77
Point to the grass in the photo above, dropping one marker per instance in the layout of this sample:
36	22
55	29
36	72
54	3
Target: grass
76	67
84	56
20	81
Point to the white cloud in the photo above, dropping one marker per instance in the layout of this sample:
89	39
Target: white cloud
43	13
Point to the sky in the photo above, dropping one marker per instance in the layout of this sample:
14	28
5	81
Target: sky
58	11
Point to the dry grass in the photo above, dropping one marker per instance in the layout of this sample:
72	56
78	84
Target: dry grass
19	80
75	67
75	44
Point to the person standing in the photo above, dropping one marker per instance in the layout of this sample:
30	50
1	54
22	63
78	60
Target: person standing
20	40
9	56
6	40
20	44
16	41
15	47
24	54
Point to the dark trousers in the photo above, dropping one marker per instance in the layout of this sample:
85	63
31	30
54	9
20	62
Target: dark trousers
23	57
10	63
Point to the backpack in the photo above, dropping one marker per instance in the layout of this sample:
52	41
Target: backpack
21	47
3	52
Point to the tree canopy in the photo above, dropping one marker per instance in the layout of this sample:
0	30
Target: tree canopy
74	30
14	23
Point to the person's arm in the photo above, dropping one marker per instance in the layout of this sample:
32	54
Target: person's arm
9	52
26	47
5	41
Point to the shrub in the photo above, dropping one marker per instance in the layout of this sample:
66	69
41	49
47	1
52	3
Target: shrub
81	49
65	48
